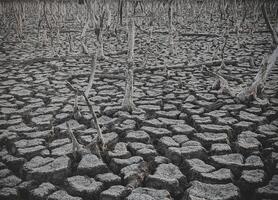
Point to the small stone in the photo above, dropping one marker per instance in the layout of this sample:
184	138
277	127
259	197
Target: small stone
165	142
232	161
62	195
173	114
209	138
153	123
83	186
201	120
268	130
222	175
10	181
91	165
117	164
182	129
233	107
243	126
42	120
168	122
206	191
220	149
42	191
269	191
8	193
146	153
167	176
108	179
253	162
192	150
116	192
14	163
62	150
251	179
47	169
149	108
215	128
226	120
187	151
180	139
120	151
5	172
251	117
135	146
217	114
143	193
137	136
197	166
156	132
109	110
247	145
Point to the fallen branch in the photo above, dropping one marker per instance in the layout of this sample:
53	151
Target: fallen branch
63	58
44	59
183	34
184	65
101	76
199	34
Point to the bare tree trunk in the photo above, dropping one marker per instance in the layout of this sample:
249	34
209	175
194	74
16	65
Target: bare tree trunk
170	26
128	104
93	71
272	30
131	39
128	98
108	12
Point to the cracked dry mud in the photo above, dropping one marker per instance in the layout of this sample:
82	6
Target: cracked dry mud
197	153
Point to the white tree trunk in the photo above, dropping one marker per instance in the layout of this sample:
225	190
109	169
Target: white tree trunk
131	39
108	11
93	71
171	28
128	98
100	48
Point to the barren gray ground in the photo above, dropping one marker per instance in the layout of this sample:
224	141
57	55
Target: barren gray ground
201	144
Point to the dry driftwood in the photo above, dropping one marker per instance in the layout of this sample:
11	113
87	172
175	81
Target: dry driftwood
160	67
97	75
184	65
49	59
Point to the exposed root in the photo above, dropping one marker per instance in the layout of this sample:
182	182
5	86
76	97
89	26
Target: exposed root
76	147
220	84
76	111
257	87
138	176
